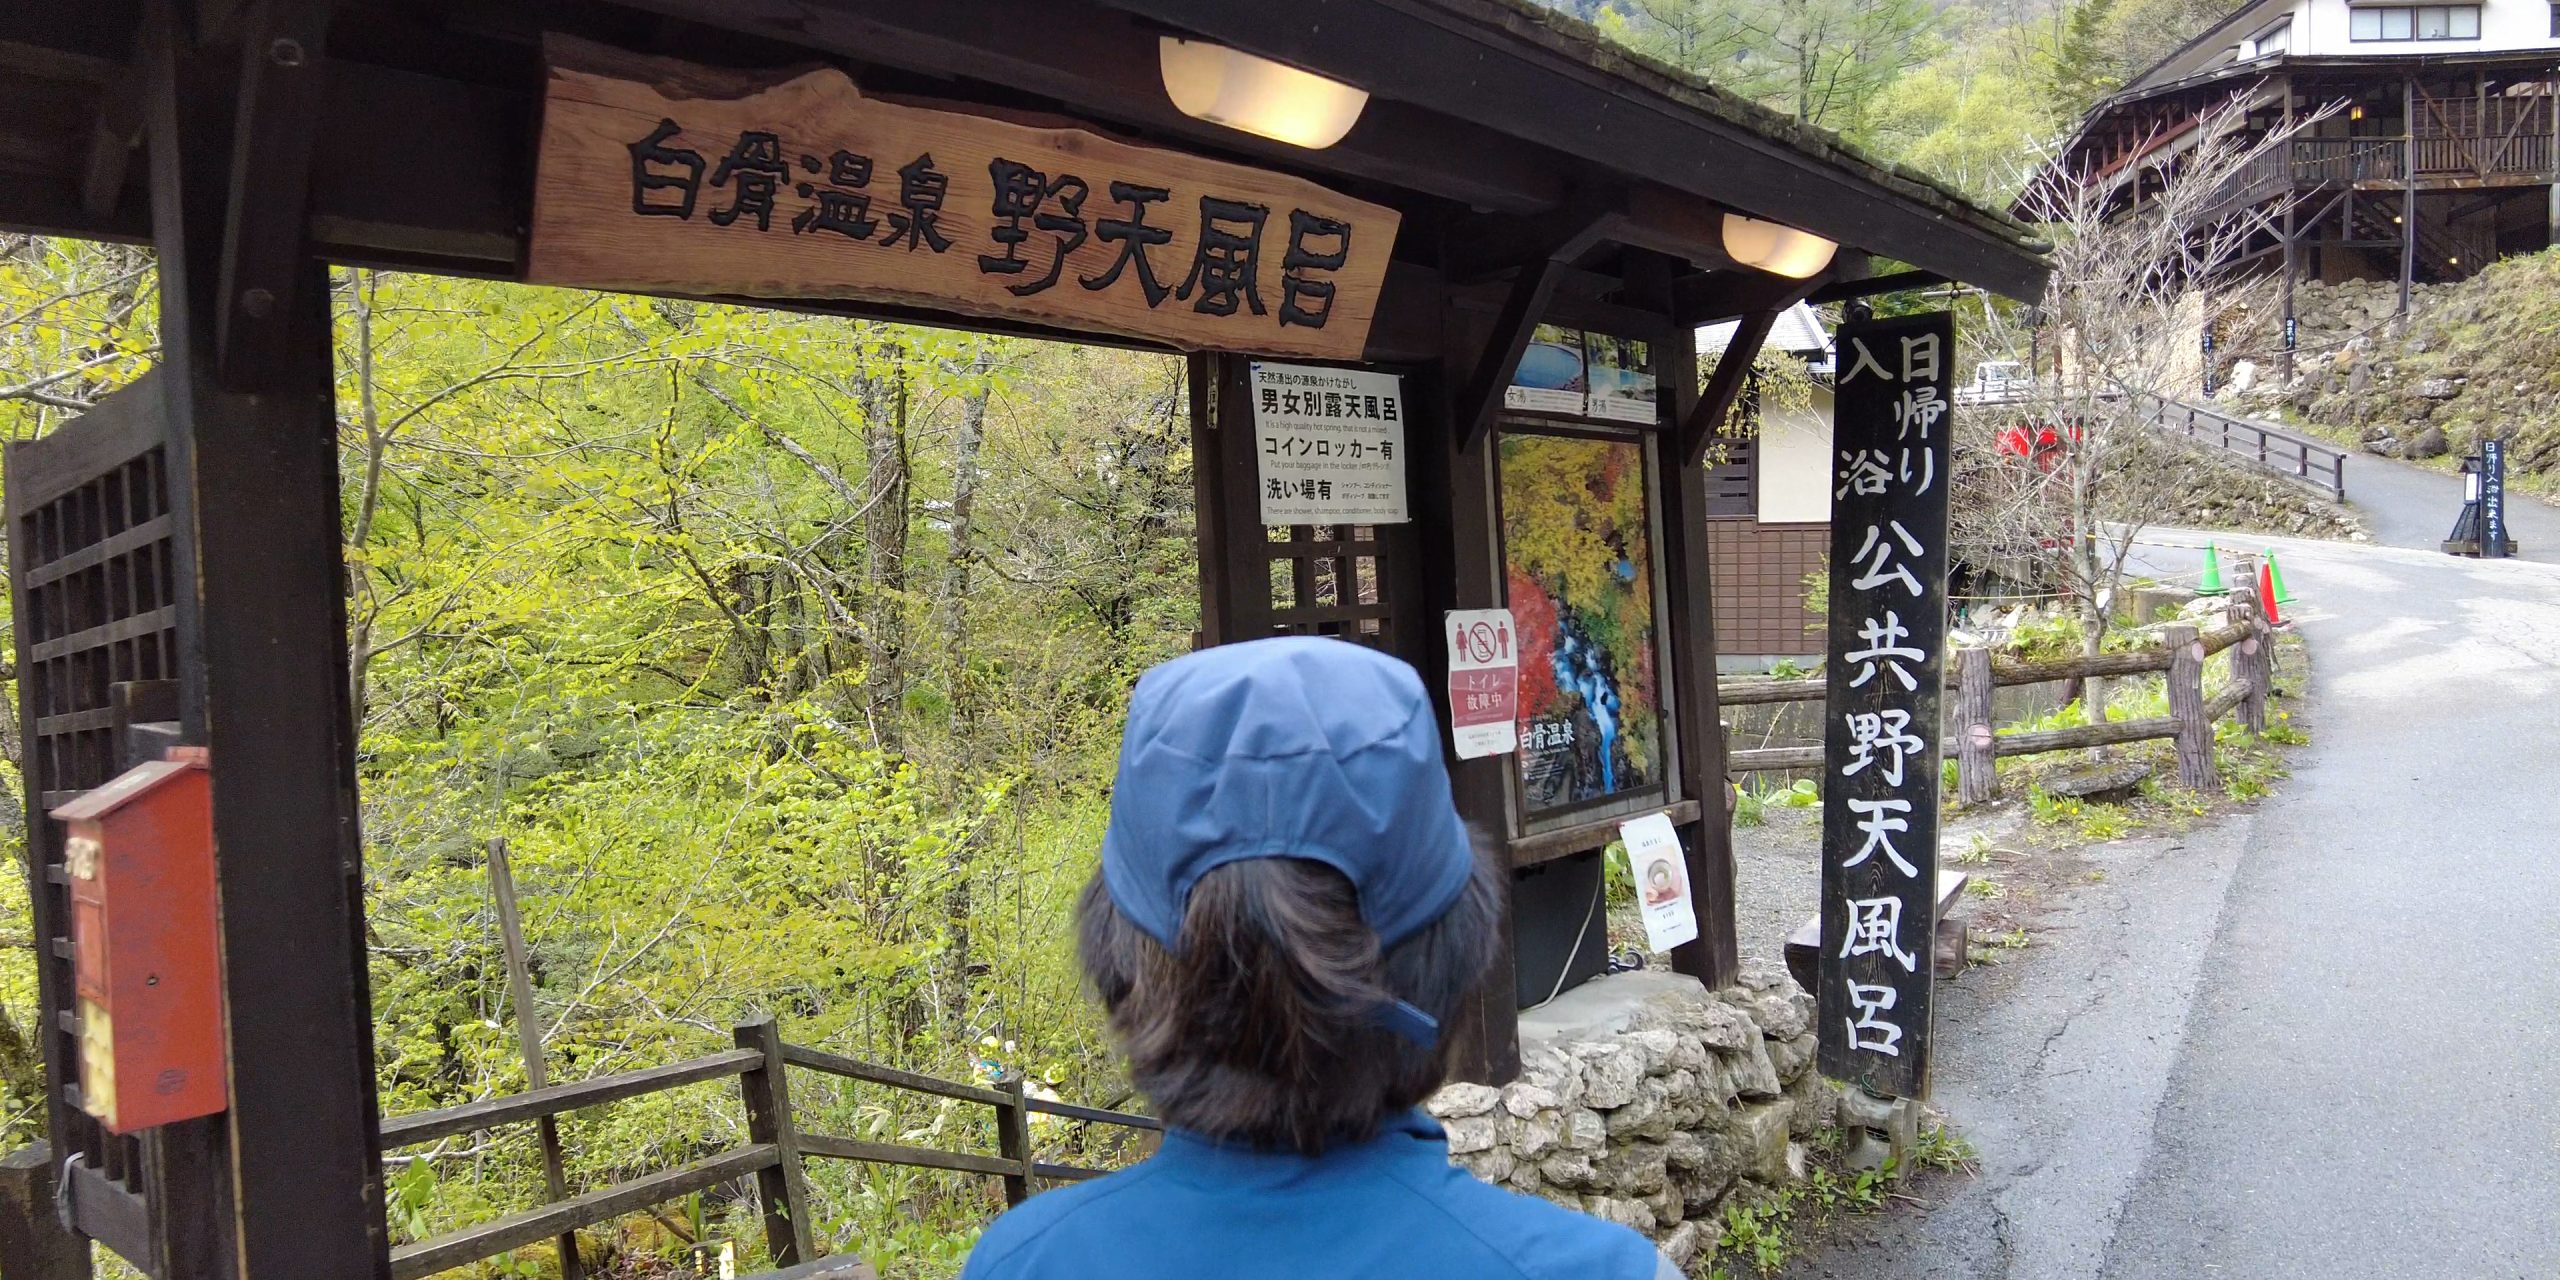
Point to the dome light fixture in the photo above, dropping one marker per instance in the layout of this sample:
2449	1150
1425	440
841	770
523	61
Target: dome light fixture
1242	91
1775	247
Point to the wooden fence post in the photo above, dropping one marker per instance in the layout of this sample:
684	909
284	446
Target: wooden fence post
2253	659
784	1188
555	1179
33	1244
1977	757
2186	707
1013	1140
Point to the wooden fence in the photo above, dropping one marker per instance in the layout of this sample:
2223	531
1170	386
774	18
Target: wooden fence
1978	746
774	1153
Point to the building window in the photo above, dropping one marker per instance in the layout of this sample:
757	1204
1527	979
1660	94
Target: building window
2275	39
2420	22
2555	22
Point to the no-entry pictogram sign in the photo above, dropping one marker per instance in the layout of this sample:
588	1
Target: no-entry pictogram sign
1484	682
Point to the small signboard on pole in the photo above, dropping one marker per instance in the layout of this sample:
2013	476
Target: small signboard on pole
1331	445
2493	499
1880	759
1484	682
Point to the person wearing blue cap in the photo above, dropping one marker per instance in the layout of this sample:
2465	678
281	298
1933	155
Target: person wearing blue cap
1288	909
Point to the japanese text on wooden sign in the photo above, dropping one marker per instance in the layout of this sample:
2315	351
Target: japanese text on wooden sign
2493	499
1484	682
1880	759
1330	443
660	175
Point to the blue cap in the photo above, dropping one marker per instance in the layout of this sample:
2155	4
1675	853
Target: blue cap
1295	747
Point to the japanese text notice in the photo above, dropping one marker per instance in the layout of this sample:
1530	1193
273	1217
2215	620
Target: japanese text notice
1331	445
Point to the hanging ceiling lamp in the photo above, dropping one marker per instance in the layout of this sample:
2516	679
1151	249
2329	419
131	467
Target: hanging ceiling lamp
1776	248
1241	91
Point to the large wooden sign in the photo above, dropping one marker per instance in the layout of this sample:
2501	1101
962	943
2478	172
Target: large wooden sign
659	175
1880	736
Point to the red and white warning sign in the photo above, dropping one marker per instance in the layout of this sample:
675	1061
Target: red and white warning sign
1484	682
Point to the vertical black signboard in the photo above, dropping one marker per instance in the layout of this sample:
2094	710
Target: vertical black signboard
1880	758
2493	499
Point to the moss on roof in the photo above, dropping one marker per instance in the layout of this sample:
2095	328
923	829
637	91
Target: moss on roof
1583	42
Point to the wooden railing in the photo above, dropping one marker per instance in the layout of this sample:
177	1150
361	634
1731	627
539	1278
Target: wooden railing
2323	161
774	1154
2272	448
1978	746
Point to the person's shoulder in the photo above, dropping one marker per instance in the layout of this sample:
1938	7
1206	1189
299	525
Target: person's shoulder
1538	1238
1047	1223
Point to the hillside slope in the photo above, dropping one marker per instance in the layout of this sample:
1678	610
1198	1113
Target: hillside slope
2479	359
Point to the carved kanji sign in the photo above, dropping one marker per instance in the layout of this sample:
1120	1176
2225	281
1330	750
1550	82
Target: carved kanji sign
660	175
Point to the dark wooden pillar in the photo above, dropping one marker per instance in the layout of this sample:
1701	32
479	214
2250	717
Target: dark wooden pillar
2292	263
1689	657
2408	190
1460	554
264	662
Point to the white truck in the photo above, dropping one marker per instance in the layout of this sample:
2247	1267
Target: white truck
1996	382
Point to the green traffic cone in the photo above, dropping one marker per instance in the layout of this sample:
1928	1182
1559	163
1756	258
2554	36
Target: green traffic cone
2212	584
2276	576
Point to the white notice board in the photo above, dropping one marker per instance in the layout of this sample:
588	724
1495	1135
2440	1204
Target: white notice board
1330	443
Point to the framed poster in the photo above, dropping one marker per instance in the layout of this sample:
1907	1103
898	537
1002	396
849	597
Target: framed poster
1578	552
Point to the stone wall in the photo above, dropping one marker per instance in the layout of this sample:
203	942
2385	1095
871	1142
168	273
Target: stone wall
1645	1100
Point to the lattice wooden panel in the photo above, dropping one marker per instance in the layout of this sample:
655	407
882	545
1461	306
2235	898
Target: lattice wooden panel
93	564
1330	580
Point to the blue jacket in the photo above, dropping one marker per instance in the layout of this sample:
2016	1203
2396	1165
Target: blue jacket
1391	1208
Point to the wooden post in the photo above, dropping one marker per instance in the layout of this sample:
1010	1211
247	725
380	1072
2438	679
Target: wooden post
2253	659
263	664
2408	190
784	1188
1690	655
1977	738
33	1245
555	1179
2186	707
1013	1140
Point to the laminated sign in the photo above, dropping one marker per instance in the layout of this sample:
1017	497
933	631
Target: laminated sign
1662	880
1484	683
1330	443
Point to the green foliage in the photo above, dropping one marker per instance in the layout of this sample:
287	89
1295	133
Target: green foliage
1757	1235
1789	669
1803	793
1749	810
2051	810
1977	851
1944	1150
680	600
2105	822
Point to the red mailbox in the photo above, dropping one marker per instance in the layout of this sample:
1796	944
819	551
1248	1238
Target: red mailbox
147	973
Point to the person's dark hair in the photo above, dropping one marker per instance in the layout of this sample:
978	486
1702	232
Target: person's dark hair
1263	1028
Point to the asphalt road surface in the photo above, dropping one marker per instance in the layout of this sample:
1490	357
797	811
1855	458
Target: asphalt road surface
2321	1039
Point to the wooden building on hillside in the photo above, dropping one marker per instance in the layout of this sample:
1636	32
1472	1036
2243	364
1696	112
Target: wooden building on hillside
2440	157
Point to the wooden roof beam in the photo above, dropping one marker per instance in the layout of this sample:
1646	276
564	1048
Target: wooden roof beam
1102	64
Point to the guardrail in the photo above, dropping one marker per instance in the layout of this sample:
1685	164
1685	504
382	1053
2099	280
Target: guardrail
775	1153
1978	746
2272	448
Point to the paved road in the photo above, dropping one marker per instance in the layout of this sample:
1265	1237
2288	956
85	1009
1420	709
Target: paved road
2408	506
2322	1039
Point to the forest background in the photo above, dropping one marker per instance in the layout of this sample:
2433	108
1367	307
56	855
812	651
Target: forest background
789	653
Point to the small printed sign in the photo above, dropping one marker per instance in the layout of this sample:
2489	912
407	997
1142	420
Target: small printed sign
1331	445
1662	880
1484	682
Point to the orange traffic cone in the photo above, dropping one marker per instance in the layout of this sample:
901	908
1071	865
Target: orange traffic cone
2267	593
